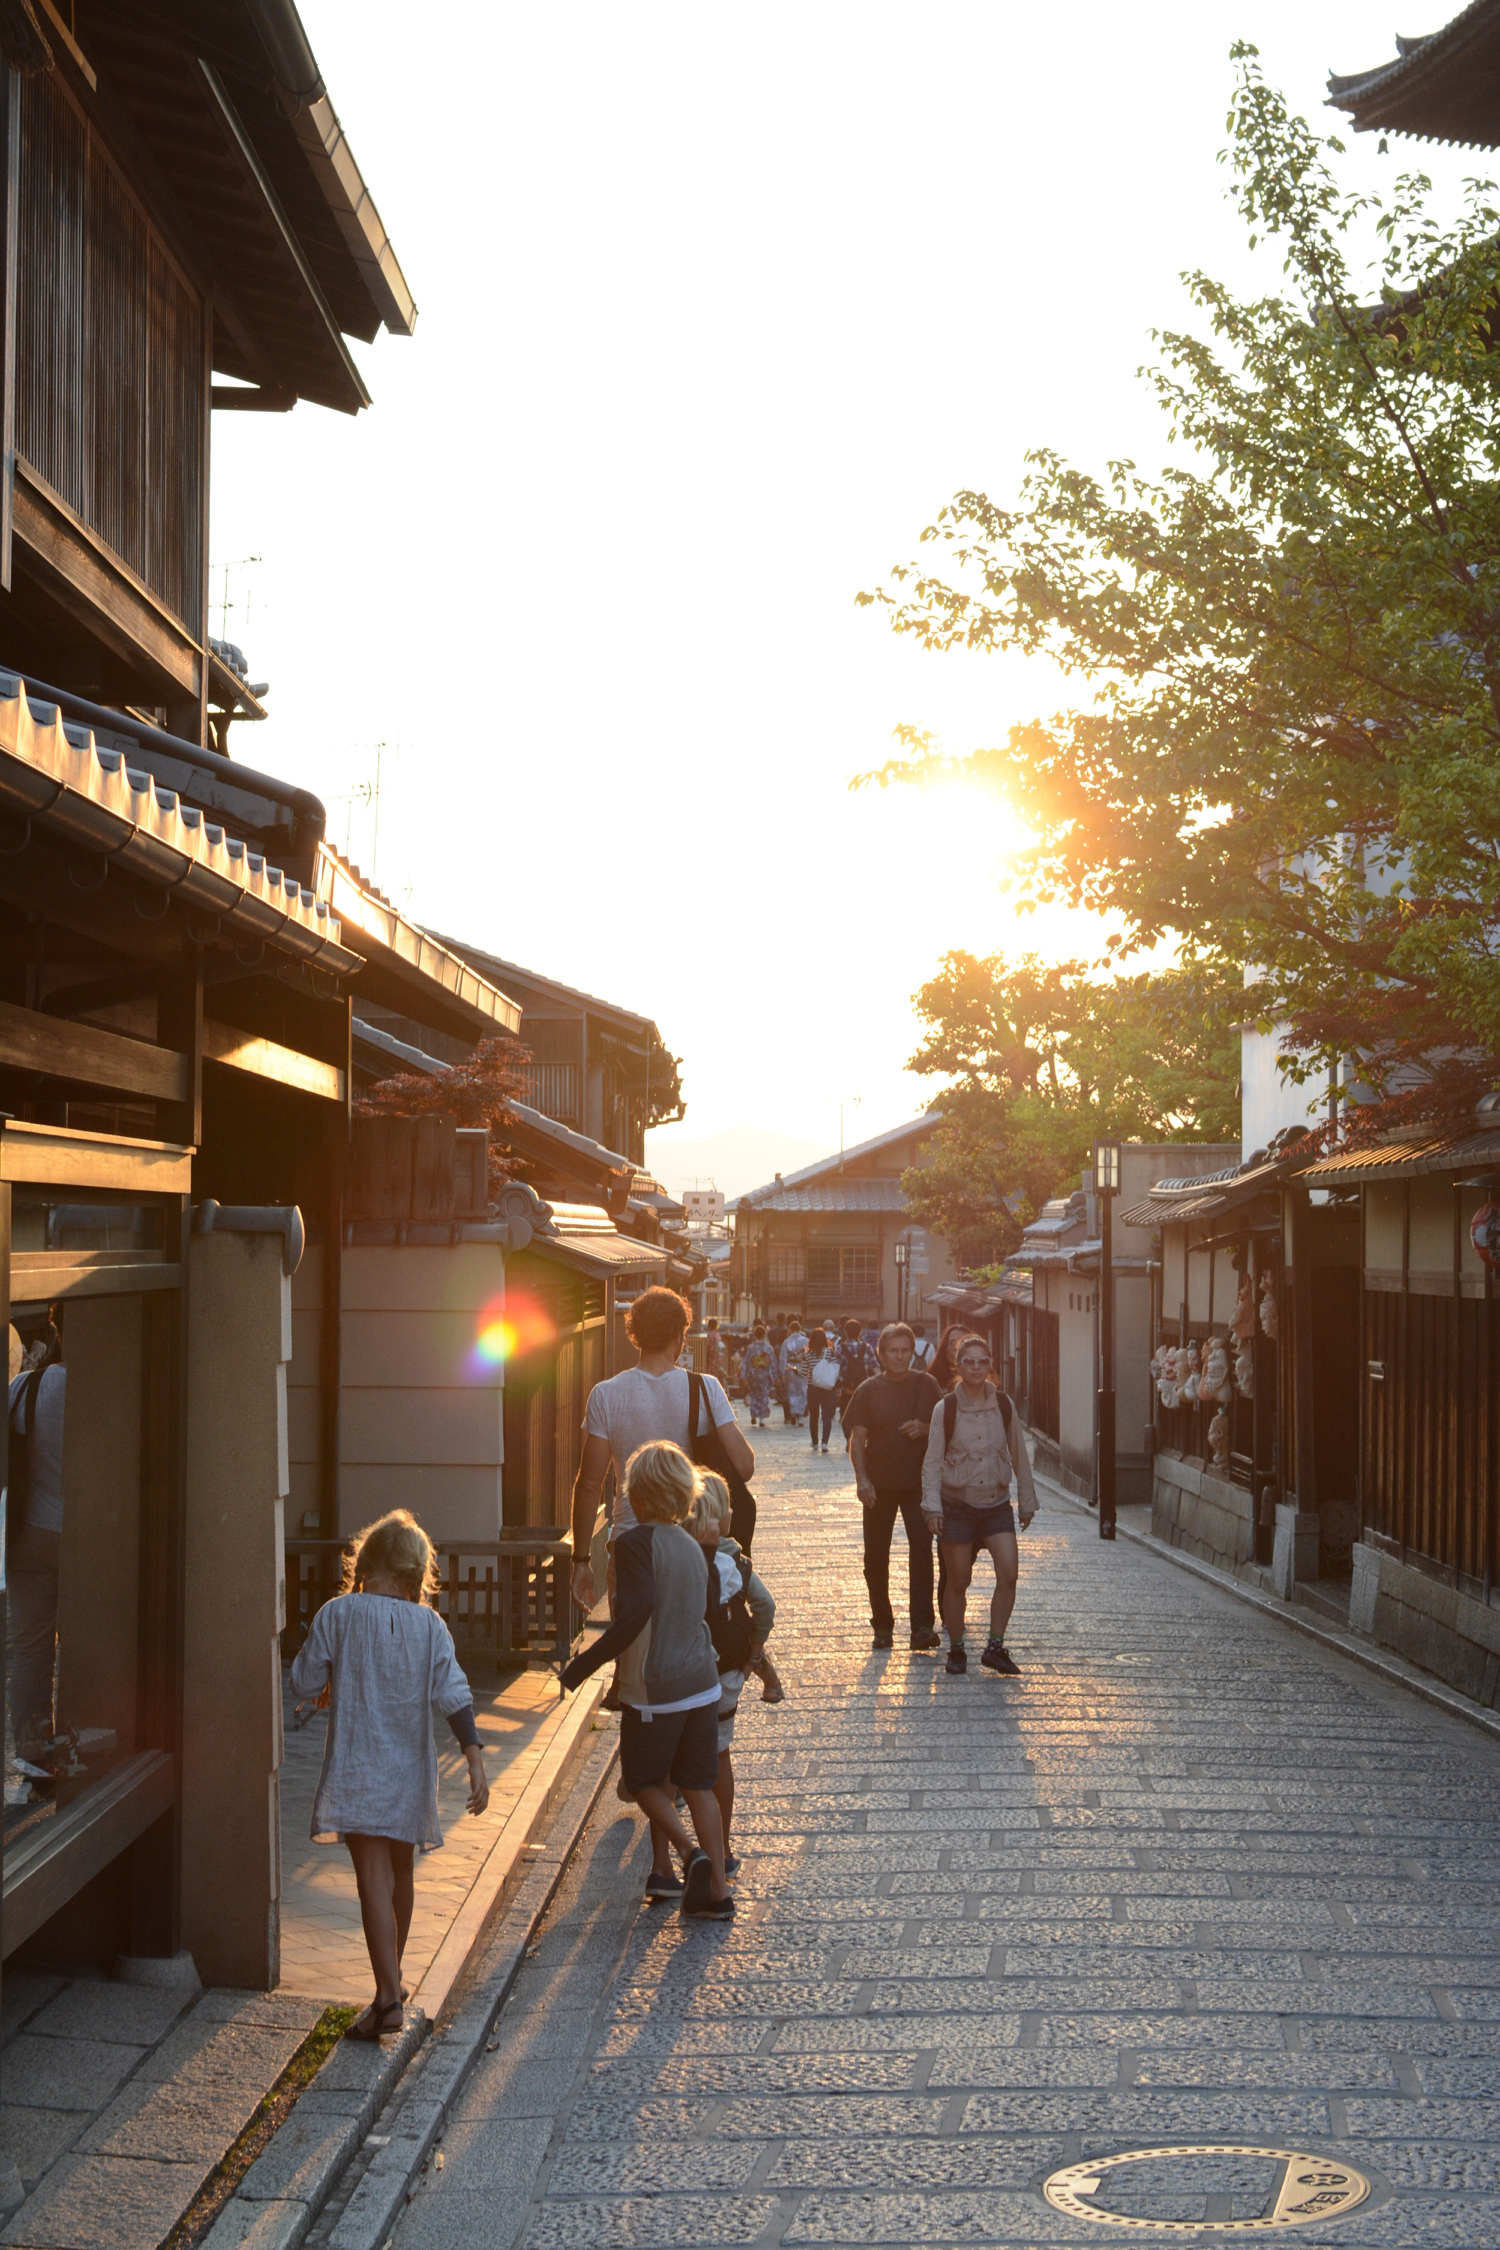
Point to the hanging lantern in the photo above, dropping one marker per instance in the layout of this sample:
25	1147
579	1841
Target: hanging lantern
1484	1232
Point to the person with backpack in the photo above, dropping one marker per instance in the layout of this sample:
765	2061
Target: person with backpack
741	1613
667	1681
887	1422
857	1363
34	1523
975	1459
657	1398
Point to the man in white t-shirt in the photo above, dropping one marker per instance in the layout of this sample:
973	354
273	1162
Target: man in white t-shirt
645	1404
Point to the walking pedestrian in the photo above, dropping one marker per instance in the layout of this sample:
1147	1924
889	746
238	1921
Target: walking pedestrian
648	1401
667	1681
713	1350
796	1366
380	1659
975	1458
37	1407
741	1613
758	1365
857	1363
887	1421
822	1390
944	1369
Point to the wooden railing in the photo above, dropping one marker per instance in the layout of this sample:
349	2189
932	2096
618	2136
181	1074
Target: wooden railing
502	1598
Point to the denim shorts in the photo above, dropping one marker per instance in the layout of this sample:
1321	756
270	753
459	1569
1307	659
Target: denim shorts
964	1526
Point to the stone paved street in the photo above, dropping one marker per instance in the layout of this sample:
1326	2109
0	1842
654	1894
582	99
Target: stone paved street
1191	1879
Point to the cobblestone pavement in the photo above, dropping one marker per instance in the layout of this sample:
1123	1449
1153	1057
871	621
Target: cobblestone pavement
1189	1880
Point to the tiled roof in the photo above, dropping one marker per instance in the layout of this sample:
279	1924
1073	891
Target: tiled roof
1211	1192
847	1195
836	1164
57	779
1442	87
382	935
1405	1159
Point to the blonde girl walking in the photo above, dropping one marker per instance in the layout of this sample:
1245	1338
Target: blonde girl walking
381	1660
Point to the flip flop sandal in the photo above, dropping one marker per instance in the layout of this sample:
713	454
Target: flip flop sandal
379	2022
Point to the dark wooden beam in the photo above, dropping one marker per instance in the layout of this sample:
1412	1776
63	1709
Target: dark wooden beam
233	398
85	1056
82	575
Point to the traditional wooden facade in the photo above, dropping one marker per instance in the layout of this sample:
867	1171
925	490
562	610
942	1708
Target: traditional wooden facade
836	1240
178	945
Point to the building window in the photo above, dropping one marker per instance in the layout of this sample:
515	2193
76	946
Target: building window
837	1275
786	1273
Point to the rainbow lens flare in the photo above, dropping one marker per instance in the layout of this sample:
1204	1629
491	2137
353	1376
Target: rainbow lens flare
507	1329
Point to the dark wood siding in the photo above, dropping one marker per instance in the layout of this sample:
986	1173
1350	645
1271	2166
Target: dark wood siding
1429	1454
1044	1372
109	356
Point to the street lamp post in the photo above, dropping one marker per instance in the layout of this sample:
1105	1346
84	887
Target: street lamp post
1106	1187
901	1257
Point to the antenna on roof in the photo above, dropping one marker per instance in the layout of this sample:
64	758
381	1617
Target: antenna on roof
853	1103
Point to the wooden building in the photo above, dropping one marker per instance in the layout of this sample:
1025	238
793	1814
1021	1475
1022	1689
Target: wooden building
1405	1367
594	1065
185	229
1445	87
836	1239
1062	1251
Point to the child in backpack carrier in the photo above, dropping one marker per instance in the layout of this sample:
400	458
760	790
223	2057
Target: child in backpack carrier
741	1613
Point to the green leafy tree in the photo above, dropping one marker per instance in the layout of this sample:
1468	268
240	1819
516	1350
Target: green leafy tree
1041	1060
1285	749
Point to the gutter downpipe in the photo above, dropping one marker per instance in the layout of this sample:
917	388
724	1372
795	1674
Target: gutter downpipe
311	816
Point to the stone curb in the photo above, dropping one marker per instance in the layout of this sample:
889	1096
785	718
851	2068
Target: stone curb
1394	1669
282	2193
387	2186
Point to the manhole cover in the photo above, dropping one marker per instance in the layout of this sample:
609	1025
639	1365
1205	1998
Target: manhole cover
1210	2188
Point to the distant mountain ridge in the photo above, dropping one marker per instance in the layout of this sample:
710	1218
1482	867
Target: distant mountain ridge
743	1156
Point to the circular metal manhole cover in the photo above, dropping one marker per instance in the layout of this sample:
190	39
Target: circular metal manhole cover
1207	2188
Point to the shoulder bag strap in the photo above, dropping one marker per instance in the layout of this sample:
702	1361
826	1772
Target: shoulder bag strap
695	1402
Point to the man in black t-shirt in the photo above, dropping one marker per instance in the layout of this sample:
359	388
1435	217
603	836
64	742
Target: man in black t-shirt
888	1420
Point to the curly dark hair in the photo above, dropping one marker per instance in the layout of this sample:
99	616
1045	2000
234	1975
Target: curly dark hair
655	1317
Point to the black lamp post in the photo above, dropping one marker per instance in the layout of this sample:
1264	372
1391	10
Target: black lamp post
1106	1187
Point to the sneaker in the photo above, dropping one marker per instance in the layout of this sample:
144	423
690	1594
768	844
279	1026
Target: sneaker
731	1865
879	1639
663	1886
824	1449
958	1660
697	1875
924	1641
712	1910
997	1658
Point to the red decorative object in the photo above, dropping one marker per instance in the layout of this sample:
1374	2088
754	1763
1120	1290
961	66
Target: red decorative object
1484	1232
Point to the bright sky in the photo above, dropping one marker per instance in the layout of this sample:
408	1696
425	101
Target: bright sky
718	306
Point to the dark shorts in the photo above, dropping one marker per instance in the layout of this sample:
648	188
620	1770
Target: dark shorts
964	1526
679	1746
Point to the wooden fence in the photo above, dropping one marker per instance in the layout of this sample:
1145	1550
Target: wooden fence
502	1598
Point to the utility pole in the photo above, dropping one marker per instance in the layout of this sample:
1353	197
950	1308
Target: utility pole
1106	1187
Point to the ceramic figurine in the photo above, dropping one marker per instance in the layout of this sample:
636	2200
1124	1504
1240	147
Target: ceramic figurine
1218	1439
1214	1383
1268	1315
1244	1371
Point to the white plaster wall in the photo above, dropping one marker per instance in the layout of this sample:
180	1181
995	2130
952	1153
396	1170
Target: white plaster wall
1267	1100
